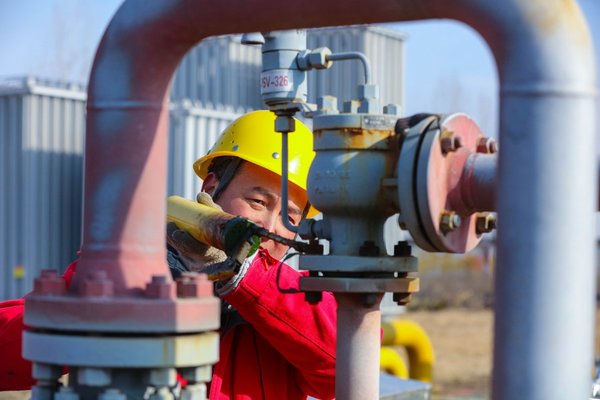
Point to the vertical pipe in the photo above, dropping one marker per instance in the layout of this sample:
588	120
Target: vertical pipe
545	279
358	345
545	275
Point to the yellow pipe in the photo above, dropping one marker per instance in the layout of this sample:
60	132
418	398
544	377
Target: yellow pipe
391	362
418	347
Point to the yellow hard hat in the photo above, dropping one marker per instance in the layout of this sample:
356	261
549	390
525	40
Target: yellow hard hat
252	137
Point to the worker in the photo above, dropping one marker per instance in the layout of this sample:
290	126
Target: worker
273	345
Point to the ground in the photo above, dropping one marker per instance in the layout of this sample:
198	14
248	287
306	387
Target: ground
462	342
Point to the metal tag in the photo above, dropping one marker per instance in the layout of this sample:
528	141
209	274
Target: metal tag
276	80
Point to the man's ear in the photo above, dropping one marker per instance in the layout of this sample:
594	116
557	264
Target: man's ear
210	183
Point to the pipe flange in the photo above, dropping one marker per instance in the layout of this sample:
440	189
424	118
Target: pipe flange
443	153
122	314
336	263
122	351
407	199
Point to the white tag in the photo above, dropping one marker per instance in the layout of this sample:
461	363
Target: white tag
276	80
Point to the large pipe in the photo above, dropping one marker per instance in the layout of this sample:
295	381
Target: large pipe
546	244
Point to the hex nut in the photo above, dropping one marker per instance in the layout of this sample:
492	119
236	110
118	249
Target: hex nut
285	123
90	376
351	106
160	287
49	283
317	58
196	374
313	298
402	249
450	143
485	223
487	146
194	392
162	393
369	105
97	284
42	392
46	372
192	284
66	393
402	299
449	221
112	394
327	104
391	109
162	377
368	91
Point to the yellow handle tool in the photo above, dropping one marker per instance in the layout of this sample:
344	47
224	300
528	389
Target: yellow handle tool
203	222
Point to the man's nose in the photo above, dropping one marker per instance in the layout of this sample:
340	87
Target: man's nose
269	221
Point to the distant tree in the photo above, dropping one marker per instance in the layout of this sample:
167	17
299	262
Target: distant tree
72	44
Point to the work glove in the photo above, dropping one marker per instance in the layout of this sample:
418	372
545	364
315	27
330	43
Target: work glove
201	257
195	255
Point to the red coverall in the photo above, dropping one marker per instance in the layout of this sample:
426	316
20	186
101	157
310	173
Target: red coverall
285	350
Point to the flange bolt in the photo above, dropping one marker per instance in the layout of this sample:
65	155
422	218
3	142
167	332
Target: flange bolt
449	221
485	223
450	143
487	146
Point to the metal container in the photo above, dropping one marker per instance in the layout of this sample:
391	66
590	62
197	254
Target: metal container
41	147
220	70
193	129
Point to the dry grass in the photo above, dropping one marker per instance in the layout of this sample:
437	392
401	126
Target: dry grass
462	342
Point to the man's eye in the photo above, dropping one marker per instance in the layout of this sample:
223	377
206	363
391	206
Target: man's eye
258	202
293	220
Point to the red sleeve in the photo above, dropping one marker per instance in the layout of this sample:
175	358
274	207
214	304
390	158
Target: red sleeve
15	371
302	333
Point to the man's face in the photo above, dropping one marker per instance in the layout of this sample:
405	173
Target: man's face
255	193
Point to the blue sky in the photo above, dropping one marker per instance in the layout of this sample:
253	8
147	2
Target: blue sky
57	39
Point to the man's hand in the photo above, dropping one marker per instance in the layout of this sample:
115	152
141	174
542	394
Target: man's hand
198	256
195	254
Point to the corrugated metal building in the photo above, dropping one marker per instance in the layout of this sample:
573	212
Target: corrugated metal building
383	47
193	128
220	70
42	127
41	145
